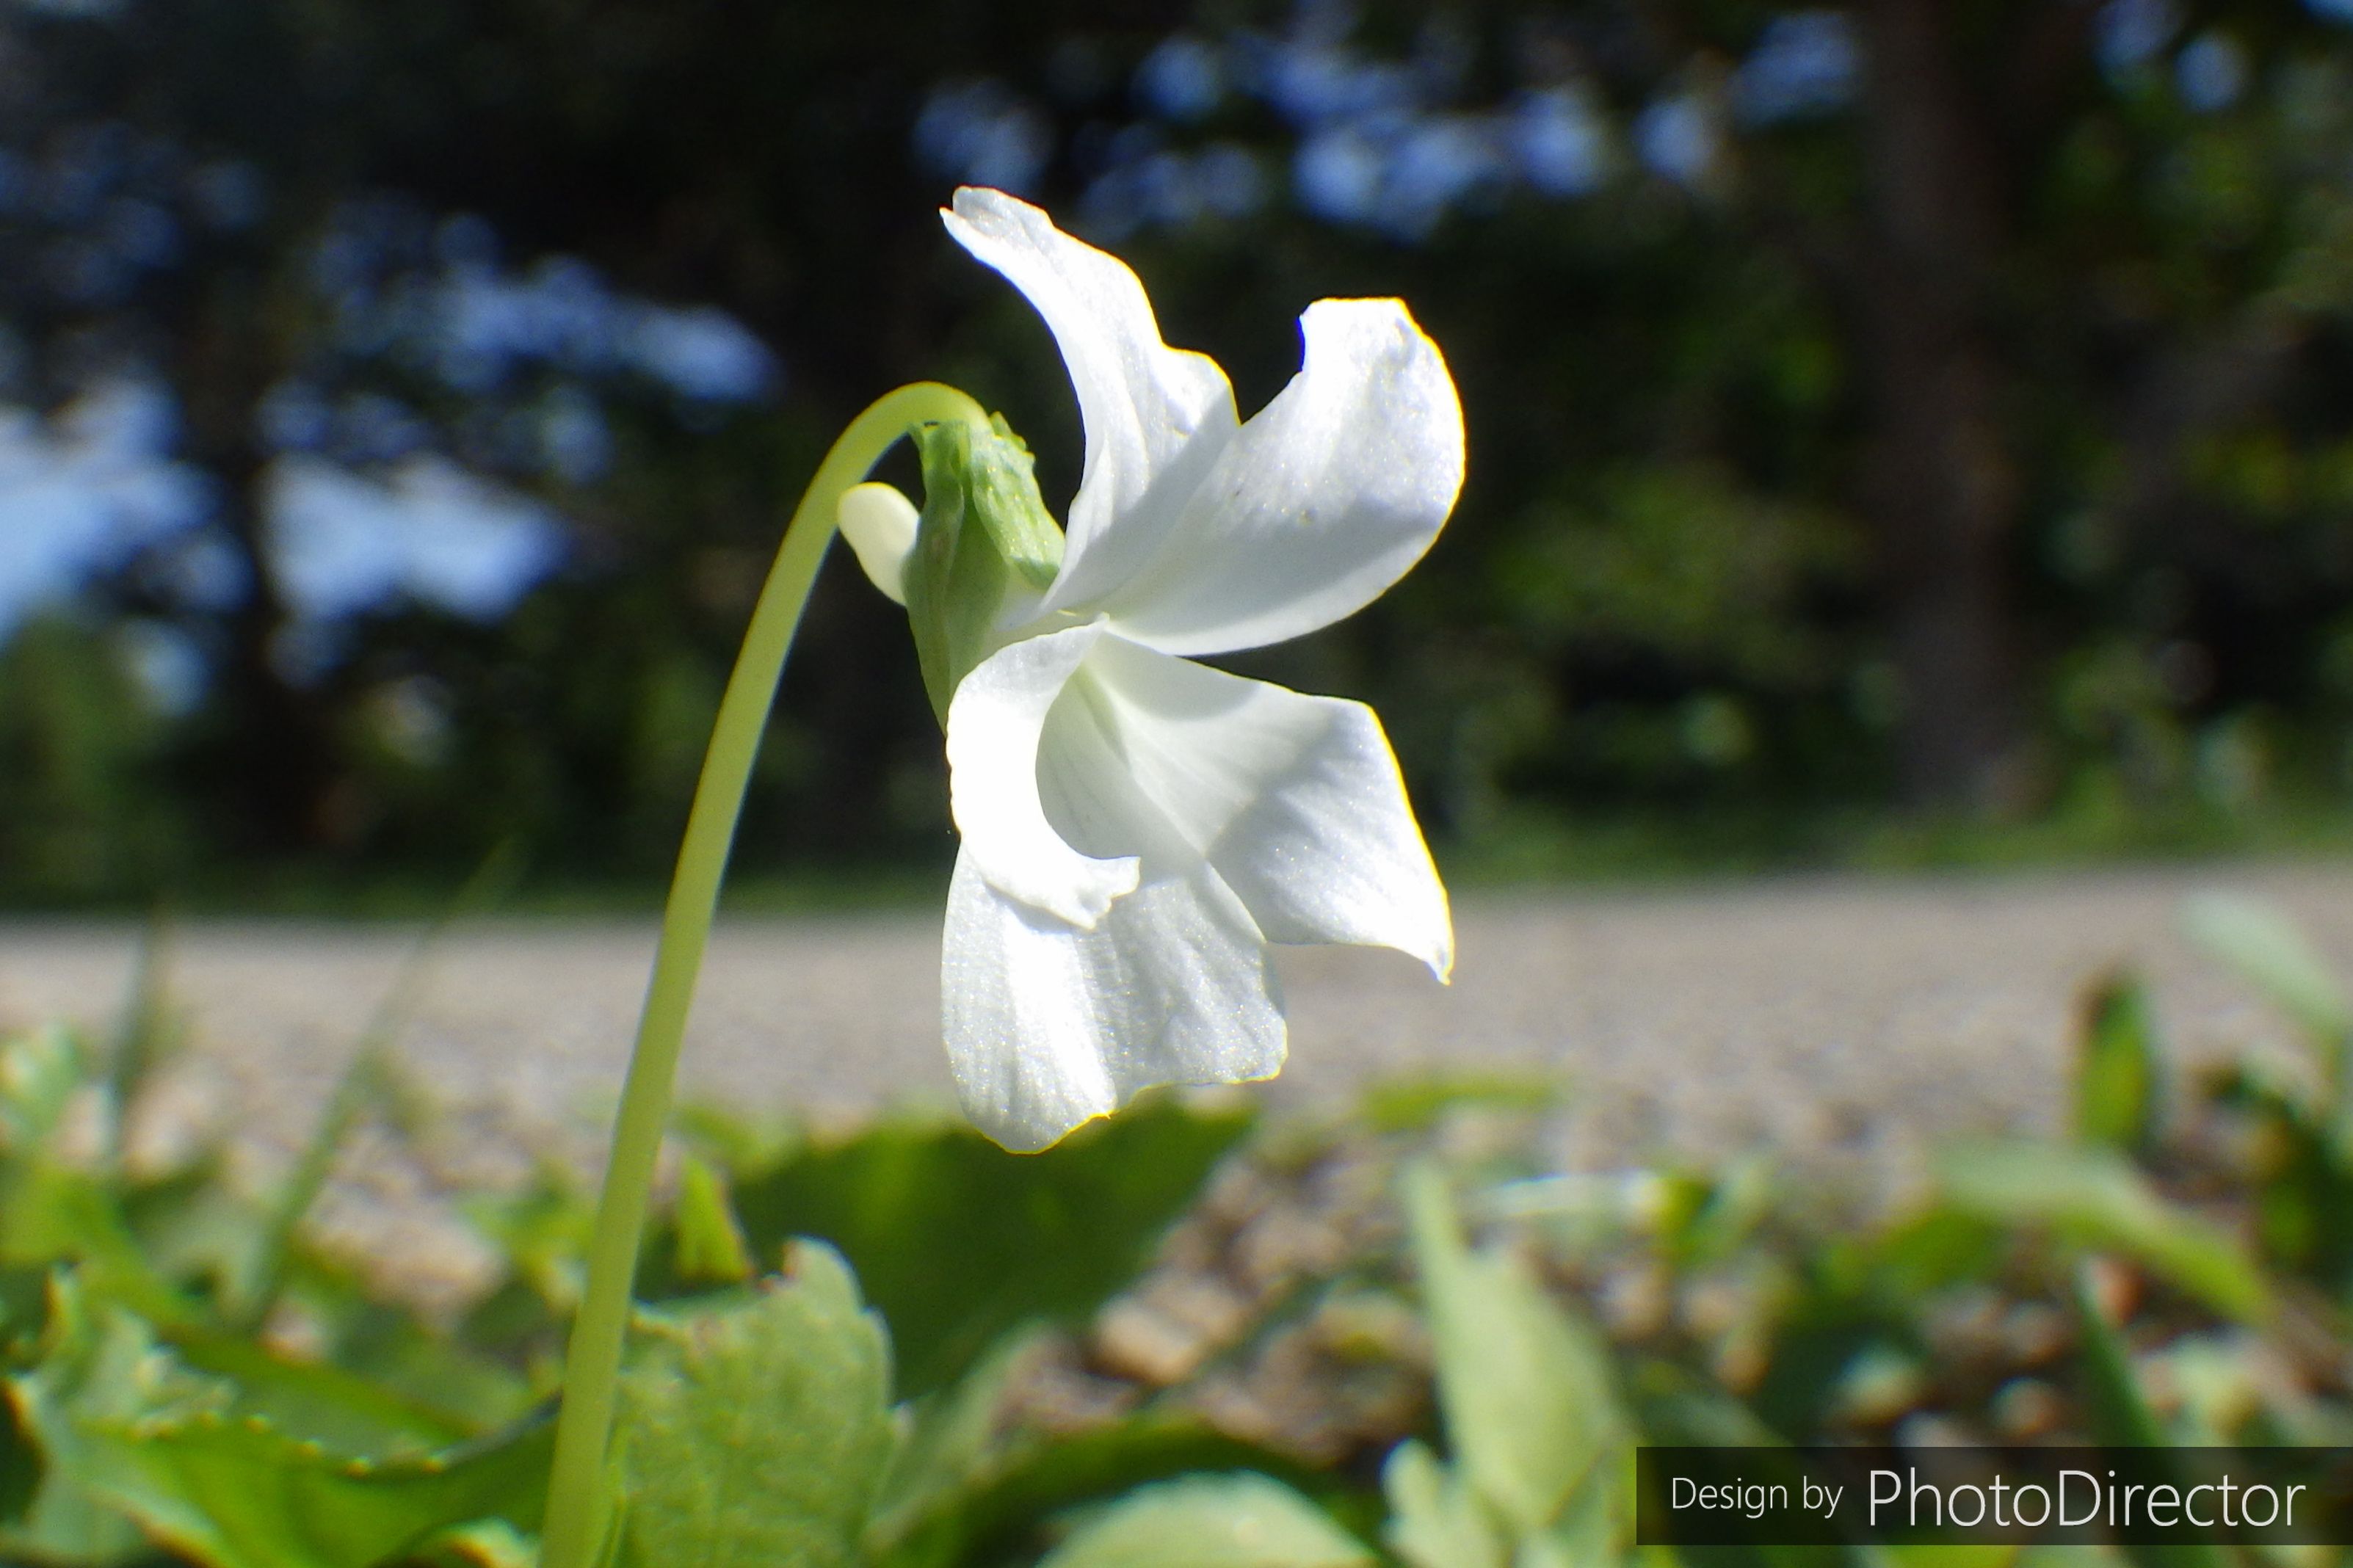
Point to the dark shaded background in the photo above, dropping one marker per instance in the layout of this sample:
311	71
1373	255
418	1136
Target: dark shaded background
1908	429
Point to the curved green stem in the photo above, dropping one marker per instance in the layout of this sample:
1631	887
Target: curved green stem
578	1509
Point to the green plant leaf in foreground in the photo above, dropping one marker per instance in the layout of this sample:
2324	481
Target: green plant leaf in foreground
2304	1196
39	1072
1434	1520
130	1437
756	1432
711	1245
1212	1522
993	1512
949	1445
2116	1068
93	1366
1949	1556
954	1241
1529	1409
239	1495
2121	1416
2270	953
488	1544
318	1402
2095	1198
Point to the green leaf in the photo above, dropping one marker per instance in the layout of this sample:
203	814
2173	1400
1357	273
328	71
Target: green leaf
370	1082
484	1544
711	1245
148	1033
1678	1408
1415	1104
757	1432
317	1402
438	1377
1824	1335
1595	1527
738	1141
2095	1198
20	1467
2272	954
2089	1554
98	1363
1951	1556
1933	1251
2116	1068
1435	1521
955	1241
1212	1522
2121	1417
53	1213
39	1071
130	1435
542	1232
196	1233
951	1442
1703	1218
1525	1391
2303	1185
997	1514
237	1495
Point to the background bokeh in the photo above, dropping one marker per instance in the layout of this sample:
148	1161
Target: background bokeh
1904	432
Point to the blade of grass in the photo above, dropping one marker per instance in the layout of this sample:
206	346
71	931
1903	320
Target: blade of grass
372	1081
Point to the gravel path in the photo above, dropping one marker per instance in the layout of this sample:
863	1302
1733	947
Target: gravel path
1812	1017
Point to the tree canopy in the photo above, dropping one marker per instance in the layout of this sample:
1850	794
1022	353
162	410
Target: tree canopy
1918	405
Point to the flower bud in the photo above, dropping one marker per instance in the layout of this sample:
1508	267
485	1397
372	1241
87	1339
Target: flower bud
986	549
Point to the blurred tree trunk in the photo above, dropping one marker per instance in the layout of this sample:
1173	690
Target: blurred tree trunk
272	766
1940	485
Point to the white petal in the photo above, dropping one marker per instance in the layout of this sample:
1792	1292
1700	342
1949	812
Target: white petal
1049	1026
880	524
993	728
1155	417
1323	500
1295	801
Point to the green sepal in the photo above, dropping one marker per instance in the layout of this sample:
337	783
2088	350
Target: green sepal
985	535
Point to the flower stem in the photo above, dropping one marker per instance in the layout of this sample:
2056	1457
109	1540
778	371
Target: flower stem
578	1509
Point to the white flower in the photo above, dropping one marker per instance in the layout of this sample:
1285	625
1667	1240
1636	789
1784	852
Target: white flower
1137	828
